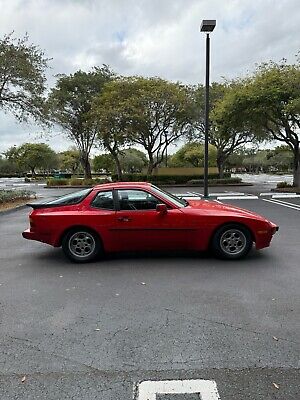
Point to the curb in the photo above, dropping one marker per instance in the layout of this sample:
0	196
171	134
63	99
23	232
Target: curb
293	190
11	210
167	185
67	187
210	185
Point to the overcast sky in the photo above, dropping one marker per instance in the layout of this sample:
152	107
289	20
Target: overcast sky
150	38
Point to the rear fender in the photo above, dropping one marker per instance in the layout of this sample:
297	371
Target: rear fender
58	240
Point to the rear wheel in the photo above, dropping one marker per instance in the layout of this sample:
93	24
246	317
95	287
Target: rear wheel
81	245
232	241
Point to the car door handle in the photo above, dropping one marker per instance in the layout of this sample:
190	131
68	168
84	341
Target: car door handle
124	219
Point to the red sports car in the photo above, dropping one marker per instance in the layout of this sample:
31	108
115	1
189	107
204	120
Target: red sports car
131	216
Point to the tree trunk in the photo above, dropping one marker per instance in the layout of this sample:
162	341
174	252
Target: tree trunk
296	180
220	164
151	164
118	167
85	162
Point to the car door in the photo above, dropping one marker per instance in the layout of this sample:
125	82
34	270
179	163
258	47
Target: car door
139	226
100	216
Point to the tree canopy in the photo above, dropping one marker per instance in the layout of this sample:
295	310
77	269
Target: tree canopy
31	156
22	78
150	112
269	103
222	135
192	155
70	103
69	160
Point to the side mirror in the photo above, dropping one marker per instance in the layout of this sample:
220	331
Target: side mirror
161	208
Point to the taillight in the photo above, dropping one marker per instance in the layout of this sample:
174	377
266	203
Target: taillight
31	222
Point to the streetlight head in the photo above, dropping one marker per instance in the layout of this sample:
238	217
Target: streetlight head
207	25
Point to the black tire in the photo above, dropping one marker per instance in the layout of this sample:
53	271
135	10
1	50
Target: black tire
232	241
81	245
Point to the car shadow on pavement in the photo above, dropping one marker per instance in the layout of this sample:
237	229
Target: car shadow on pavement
55	257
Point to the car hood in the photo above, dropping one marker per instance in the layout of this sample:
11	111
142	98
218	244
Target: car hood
216	208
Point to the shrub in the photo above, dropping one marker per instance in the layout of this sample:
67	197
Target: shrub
284	184
57	182
76	181
11	195
166	179
217	181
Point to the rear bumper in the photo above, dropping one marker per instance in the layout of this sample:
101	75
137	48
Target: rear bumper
29	235
40	237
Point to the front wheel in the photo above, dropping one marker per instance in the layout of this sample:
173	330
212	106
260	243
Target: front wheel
232	241
81	245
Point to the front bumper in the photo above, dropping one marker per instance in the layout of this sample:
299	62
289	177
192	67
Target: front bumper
264	237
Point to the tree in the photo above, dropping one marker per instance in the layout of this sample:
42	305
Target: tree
222	135
32	156
70	103
151	113
104	162
192	155
22	78
269	102
8	167
257	162
69	160
133	160
110	118
281	158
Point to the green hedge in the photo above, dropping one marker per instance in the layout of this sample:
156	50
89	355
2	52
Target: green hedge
218	181
57	182
75	182
166	179
284	184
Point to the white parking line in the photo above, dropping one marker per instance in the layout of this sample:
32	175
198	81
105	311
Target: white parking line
226	194
285	196
246	197
207	390
283	204
287	203
266	194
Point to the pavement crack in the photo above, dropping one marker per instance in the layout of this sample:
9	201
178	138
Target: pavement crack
226	324
59	356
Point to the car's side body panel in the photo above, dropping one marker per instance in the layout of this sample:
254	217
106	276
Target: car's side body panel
180	228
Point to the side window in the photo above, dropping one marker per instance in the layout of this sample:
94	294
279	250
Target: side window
137	200
103	200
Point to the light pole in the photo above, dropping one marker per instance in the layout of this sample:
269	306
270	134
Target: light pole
207	26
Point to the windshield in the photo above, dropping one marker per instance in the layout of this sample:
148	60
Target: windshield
171	197
69	199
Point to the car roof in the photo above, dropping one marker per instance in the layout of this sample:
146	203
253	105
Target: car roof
120	185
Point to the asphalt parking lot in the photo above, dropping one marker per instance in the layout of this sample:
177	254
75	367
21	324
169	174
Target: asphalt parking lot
97	331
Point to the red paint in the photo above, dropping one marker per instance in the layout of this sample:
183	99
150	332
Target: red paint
184	228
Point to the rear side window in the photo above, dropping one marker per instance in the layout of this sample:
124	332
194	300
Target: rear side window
104	201
69	199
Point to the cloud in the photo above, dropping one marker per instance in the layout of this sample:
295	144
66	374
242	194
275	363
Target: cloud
151	38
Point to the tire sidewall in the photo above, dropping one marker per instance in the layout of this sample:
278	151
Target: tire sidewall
217	247
71	256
